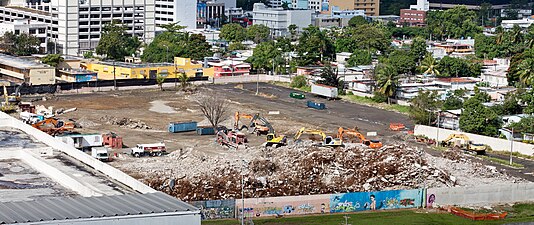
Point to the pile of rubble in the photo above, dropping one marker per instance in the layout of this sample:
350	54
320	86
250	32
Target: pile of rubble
125	122
302	169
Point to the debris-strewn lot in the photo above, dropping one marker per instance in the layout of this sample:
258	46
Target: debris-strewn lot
203	170
302	169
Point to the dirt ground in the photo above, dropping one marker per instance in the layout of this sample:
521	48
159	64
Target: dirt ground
205	170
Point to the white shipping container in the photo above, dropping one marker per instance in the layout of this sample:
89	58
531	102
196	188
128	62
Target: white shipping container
324	90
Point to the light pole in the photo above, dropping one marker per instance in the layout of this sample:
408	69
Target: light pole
437	130
511	146
114	77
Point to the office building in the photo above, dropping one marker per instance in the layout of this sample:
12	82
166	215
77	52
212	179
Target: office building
412	17
210	13
371	7
38	29
278	19
76	25
176	11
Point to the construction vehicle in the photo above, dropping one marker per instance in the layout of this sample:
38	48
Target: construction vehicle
462	141
397	126
53	126
8	106
257	124
231	139
328	141
355	133
157	149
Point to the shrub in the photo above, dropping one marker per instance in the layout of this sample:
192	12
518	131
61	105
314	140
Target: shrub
299	81
379	97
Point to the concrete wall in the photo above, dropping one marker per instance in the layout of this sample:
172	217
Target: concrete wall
480	195
250	78
495	143
176	219
8	121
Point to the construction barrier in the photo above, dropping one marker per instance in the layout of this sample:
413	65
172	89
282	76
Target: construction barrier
476	216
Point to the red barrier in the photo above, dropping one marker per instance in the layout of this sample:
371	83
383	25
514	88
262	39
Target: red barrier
477	216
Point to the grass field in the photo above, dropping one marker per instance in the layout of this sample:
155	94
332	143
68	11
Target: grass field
517	213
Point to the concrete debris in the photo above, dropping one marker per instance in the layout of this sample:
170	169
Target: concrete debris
302	169
125	122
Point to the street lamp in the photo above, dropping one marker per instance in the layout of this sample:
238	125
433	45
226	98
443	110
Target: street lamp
511	142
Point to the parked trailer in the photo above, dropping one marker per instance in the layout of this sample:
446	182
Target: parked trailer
176	127
316	105
324	90
205	131
81	141
156	149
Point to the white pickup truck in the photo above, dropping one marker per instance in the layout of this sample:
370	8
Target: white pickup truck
157	149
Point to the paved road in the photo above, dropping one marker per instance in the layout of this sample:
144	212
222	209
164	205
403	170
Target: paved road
338	112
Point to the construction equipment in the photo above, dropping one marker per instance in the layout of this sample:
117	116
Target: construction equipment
254	125
231	139
54	126
355	133
462	141
328	141
397	126
156	149
8	106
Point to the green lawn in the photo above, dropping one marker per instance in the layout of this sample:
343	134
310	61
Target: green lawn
524	213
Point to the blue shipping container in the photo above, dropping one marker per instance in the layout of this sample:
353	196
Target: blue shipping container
205	131
182	127
316	105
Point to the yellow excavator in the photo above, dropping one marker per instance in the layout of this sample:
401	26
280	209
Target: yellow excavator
355	133
462	141
328	141
10	102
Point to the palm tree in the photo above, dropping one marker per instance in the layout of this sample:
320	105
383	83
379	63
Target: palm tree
526	71
160	79
429	65
387	79
499	31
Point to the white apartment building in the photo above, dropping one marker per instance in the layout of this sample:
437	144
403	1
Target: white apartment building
523	23
76	25
278	19
183	12
38	29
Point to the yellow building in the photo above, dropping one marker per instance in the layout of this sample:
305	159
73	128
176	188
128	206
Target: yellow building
145	70
371	7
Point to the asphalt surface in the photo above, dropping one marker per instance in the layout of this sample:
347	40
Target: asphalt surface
337	113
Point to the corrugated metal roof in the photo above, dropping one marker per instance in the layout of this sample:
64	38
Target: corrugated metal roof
90	207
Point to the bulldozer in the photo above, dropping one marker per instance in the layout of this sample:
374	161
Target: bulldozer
328	141
54	126
341	132
462	141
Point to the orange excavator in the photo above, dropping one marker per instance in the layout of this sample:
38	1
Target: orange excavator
53	126
257	124
355	133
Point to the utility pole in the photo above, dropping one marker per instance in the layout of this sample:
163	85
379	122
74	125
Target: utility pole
114	77
437	131
511	146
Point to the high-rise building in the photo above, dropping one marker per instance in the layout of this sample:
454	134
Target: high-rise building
278	20
75	26
177	11
371	7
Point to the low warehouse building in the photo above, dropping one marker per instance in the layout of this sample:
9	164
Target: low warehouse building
20	70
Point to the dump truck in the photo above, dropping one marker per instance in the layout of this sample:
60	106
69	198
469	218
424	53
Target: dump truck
231	139
156	149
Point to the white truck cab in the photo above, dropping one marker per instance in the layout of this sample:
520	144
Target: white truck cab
156	149
101	153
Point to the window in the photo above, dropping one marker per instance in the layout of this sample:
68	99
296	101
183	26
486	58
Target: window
32	31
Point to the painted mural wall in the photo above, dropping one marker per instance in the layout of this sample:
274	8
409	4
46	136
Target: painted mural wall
292	205
216	209
381	200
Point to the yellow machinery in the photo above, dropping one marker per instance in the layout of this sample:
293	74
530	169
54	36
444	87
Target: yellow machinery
253	126
10	104
355	133
326	140
462	141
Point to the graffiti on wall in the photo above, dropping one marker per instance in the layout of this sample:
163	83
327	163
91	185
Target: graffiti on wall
216	209
295	205
360	201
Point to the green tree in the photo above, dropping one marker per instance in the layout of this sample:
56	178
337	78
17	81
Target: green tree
52	59
236	46
115	43
22	44
457	67
357	21
394	7
526	71
372	38
88	55
314	46
160	79
387	79
233	32
263	56
418	48
479	119
403	61
298	81
284	44
407	32
330	77
258	33
184	79
511	105
457	22
429	65
359	57
525	125
423	107
174	42
293	30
